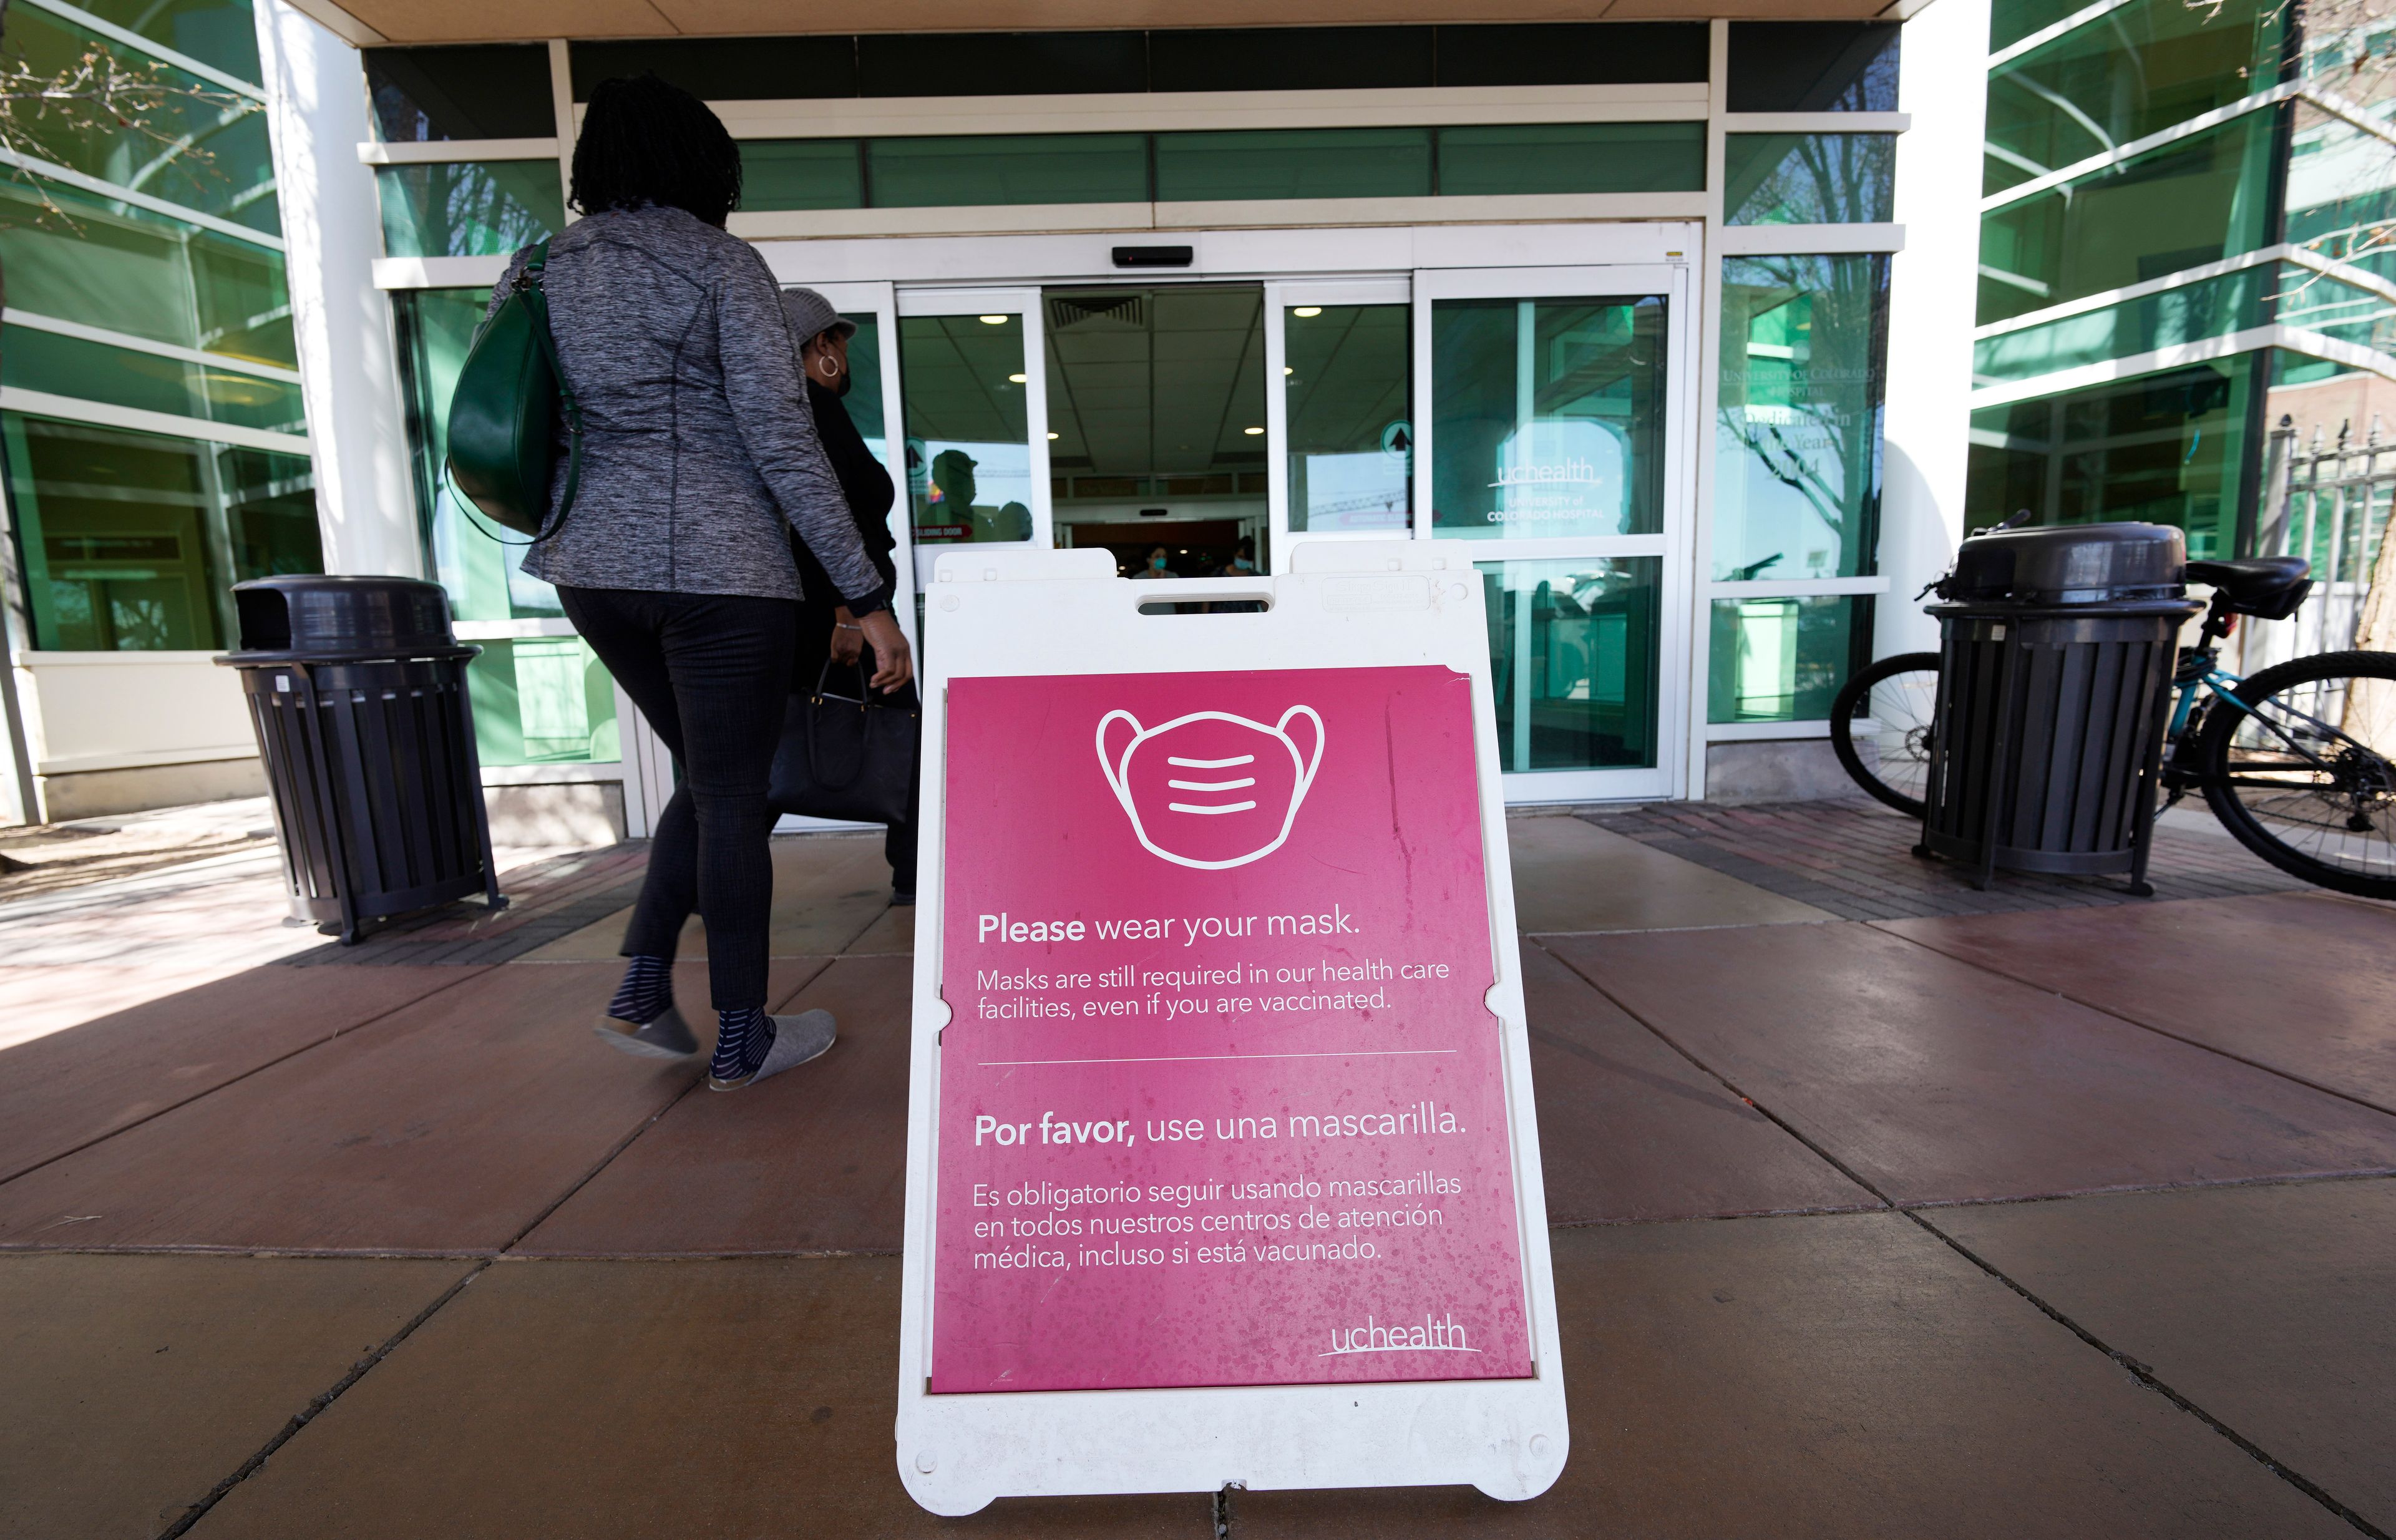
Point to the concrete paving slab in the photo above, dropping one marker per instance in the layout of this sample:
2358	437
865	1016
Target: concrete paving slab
828	889
1574	876
2266	1305
1938	1081
1630	1130
1842	1376
2300	982
638	1399
895	932
135	1383
448	1126
812	1161
66	1089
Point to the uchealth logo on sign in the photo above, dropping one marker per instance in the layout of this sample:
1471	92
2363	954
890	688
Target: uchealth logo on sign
1210	790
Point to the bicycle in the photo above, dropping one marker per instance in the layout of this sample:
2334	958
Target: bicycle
2297	760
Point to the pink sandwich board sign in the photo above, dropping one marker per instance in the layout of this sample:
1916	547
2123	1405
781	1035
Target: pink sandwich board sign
1221	1161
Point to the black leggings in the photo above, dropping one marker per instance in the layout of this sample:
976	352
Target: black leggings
712	674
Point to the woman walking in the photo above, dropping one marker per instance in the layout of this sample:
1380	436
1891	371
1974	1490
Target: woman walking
828	630
699	455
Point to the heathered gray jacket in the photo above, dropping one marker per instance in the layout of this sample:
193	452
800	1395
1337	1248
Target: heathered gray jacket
698	442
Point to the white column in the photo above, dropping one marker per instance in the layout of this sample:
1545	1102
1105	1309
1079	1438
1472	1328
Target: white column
1932	291
349	359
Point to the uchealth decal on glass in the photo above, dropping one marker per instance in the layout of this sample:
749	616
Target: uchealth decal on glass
1220	1099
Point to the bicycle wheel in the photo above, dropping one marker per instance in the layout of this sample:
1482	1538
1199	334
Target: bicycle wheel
2301	767
1879	728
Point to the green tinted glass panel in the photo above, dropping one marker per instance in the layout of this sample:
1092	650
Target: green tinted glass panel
2341	188
1021	168
963	398
1784	659
436	327
1547	417
468	209
801	174
1809	178
2198	201
1306	162
2135	70
65	366
542	700
1572	157
2163	448
2189	313
180	136
132	542
1797	442
1350	438
864	398
2338	310
2011	21
106	264
1573	658
215	34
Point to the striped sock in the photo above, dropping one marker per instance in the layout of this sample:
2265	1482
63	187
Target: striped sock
741	1040
647	992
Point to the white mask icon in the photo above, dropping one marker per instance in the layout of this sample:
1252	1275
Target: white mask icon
1211	789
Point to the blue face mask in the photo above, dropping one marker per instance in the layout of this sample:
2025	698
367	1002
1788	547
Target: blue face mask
1241	564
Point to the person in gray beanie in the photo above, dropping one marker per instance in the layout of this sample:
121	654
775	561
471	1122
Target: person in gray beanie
827	628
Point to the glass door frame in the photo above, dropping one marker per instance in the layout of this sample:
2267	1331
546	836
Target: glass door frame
1281	296
1673	542
1011	299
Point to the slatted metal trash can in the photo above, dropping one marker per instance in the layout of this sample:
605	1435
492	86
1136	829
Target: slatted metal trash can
2056	655
356	689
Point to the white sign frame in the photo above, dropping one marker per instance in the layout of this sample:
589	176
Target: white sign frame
1004	611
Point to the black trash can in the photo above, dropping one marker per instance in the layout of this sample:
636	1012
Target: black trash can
357	691
2056	655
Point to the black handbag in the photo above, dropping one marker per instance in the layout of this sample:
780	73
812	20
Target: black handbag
846	757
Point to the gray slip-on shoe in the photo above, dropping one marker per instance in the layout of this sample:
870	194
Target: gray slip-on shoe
668	1037
797	1040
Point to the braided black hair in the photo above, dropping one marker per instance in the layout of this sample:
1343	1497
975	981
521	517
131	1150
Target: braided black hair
645	142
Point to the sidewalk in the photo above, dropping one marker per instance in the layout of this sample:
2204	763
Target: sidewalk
2073	1220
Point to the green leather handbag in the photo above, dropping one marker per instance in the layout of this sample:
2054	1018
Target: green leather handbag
504	412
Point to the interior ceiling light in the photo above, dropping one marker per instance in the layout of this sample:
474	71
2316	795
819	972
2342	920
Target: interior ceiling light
994	320
1252	432
1287	370
1304	312
1052	435
1015	379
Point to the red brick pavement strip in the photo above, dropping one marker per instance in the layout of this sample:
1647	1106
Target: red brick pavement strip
1856	861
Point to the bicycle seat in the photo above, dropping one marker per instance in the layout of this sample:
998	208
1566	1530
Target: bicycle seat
2270	588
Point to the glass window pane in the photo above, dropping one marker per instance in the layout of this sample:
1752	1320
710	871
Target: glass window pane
1008	64
1572	157
192	142
436	328
2341	311
1294	163
2134	71
1547	417
801	174
2164	448
2341	191
1351	441
469	208
477	91
1784	659
132	542
1573	657
210	31
2198	201
723	69
542	700
2188	313
1009	168
1291	58
963	397
1797	441
1809	178
864	398
106	264
94	371
1813	67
